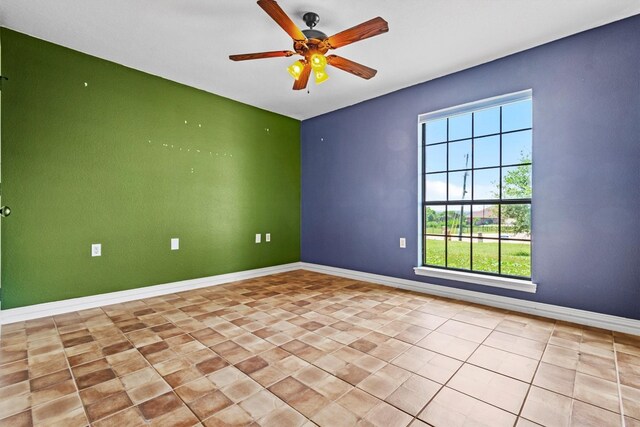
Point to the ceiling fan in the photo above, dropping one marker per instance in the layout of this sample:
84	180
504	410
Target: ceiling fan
312	45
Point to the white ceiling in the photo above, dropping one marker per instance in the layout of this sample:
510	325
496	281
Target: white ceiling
189	41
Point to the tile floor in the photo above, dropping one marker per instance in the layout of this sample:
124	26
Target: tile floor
303	349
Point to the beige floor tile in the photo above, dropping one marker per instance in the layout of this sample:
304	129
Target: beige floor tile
13	405
631	401
181	416
226	376
332	388
231	416
555	378
369	363
379	386
560	356
389	350
629	373
597	391
285	417
487	318
465	331
414	358
585	415
48	394
57	410
631	422
148	391
628	348
311	375
414	394
626	358
130	417
268	376
358	402
498	390
22	388
597	366
448	345
261	403
425	319
505	363
242	389
547	408
108	406
566	339
526	328
385	415
428	364
334	415
207	405
453	409
308	402
514	344
195	389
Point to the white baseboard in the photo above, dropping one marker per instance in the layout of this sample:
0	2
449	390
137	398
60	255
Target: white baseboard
76	304
583	317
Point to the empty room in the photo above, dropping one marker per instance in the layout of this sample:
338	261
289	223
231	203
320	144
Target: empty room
358	213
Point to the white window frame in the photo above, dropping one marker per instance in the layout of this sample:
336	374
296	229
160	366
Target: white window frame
464	276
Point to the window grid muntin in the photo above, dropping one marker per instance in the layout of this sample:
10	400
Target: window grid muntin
498	201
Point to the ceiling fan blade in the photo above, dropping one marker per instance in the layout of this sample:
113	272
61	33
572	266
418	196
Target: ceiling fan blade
260	55
371	28
351	67
302	81
282	19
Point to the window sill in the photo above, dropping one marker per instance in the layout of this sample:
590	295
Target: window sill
478	279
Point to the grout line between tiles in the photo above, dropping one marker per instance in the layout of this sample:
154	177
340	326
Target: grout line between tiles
73	377
615	360
526	396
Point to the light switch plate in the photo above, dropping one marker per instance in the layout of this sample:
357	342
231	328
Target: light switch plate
175	244
267	237
258	238
403	242
96	249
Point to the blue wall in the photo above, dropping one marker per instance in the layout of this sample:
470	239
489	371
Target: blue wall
359	171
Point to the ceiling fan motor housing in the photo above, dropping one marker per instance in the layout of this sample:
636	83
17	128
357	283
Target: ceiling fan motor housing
314	34
315	38
312	19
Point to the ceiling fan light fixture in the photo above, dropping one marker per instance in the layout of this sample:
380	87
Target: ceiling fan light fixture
321	76
318	61
295	69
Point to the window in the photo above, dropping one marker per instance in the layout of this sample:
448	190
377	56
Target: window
476	187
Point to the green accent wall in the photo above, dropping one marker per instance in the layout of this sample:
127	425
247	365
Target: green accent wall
130	160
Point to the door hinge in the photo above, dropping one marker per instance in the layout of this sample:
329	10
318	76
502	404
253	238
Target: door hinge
2	79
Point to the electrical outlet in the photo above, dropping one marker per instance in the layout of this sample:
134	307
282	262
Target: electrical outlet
258	238
267	237
175	244
403	242
96	249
